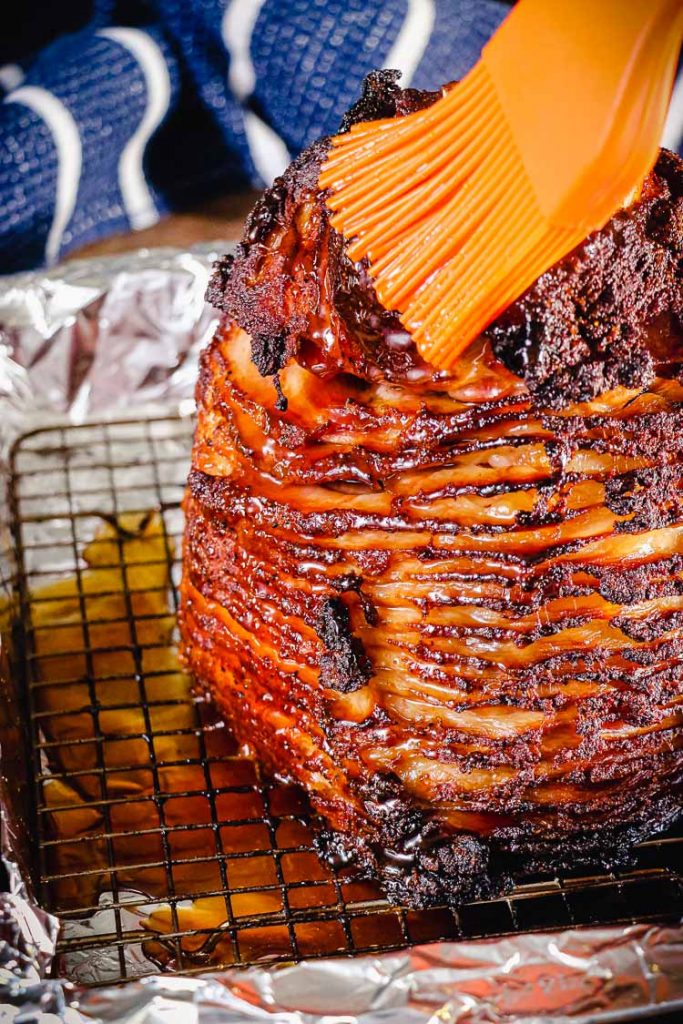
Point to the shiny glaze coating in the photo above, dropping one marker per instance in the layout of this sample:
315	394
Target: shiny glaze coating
454	616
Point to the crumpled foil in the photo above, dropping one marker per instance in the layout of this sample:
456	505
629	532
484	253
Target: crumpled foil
120	336
103	336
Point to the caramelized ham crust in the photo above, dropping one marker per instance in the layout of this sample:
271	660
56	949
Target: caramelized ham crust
451	607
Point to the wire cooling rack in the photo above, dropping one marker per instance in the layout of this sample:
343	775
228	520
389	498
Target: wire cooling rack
159	843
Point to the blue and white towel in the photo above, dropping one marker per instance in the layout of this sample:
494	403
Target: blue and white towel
158	104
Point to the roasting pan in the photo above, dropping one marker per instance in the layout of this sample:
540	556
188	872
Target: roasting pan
235	877
140	829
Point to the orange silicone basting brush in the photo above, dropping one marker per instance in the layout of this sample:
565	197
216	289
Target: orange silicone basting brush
461	206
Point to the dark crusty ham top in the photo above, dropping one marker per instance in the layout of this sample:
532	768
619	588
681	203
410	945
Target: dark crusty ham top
610	313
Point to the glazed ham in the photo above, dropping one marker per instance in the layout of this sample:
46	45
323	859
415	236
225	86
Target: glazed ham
449	606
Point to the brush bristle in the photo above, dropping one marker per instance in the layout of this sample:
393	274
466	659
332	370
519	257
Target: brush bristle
440	204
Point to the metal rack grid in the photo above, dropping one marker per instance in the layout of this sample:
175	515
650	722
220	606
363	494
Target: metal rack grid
162	812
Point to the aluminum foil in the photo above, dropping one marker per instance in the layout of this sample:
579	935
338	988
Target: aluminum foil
103	336
120	337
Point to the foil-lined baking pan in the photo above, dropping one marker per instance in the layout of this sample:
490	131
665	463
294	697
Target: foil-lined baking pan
98	361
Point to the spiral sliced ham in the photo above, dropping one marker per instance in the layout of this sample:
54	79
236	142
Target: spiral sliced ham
451	607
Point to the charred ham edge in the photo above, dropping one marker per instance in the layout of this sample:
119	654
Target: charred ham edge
451	608
344	665
290	285
590	324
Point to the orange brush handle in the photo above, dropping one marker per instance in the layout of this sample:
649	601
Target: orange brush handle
572	79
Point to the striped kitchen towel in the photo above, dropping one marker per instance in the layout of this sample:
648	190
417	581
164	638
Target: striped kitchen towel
159	104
